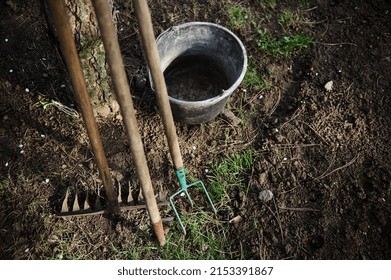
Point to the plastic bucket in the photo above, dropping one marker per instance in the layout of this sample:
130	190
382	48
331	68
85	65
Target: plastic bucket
203	63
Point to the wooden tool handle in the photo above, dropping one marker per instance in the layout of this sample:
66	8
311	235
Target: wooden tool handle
68	48
151	53
124	98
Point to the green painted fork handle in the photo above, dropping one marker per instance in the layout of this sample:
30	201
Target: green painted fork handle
181	176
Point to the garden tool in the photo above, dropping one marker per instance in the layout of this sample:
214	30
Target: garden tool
152	56
68	47
124	98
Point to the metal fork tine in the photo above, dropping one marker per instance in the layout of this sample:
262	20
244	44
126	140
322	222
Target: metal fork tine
64	207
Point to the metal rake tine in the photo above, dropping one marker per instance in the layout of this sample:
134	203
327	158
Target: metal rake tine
76	206
64	206
119	193
98	205
86	205
130	197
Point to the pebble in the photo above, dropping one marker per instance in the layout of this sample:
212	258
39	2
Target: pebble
236	220
328	86
263	179
53	239
230	117
265	195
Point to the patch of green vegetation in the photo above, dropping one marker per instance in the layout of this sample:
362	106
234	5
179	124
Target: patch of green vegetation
285	47
289	19
206	239
130	254
268	4
253	77
229	173
239	16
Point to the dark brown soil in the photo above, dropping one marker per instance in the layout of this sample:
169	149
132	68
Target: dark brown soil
325	155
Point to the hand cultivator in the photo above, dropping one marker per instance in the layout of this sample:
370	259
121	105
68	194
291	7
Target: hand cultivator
152	56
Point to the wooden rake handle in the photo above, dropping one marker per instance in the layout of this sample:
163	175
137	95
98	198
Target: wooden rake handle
152	56
124	98
68	48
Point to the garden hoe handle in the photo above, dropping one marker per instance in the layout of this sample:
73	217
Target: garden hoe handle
124	98
68	47
151	53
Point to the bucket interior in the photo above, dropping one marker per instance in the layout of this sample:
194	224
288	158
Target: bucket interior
201	61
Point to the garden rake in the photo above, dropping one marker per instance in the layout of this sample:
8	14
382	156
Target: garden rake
122	91
150	49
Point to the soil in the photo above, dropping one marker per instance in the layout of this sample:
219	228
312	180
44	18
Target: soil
323	153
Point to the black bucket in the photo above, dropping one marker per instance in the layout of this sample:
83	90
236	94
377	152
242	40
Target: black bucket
203	63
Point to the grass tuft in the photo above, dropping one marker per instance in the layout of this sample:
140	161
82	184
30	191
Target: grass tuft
285	47
238	16
229	173
206	237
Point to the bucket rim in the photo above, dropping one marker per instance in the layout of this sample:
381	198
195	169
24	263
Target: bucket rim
226	93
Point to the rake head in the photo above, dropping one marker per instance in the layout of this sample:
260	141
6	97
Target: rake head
181	176
86	207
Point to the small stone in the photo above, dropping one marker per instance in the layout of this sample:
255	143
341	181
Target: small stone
231	118
53	239
27	90
263	179
236	220
328	86
265	195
